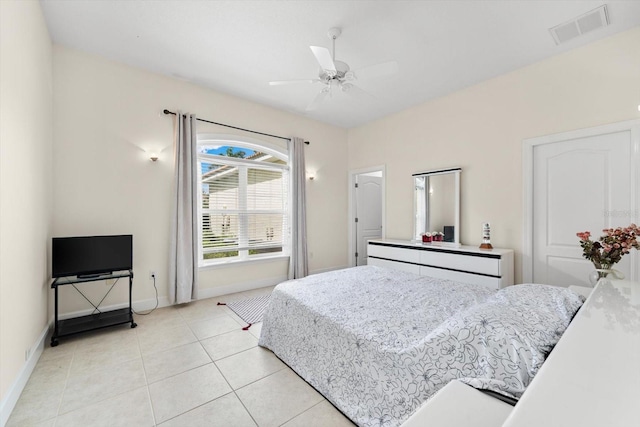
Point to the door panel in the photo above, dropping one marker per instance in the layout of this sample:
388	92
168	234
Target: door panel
369	214
577	184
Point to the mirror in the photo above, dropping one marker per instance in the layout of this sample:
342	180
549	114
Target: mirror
436	201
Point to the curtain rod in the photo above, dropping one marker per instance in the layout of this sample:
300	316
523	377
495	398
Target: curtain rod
234	127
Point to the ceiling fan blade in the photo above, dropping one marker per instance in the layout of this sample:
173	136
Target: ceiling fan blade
288	82
317	100
377	70
324	59
355	92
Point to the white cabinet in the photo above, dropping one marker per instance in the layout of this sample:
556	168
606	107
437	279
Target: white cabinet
592	377
460	405
489	267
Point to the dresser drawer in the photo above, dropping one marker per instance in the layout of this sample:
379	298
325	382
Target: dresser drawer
466	264
394	265
461	262
489	282
398	254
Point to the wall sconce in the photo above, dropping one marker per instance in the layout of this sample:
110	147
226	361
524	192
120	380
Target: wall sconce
153	157
311	176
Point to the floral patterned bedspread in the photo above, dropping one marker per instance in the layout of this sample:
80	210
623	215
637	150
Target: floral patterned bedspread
378	343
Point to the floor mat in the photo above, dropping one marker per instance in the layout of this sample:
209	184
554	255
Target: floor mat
250	310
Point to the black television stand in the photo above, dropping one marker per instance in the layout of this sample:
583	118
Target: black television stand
98	319
94	276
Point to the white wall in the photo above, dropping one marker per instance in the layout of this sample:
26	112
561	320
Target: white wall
481	129
107	114
25	187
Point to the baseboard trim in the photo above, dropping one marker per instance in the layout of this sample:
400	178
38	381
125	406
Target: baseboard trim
324	270
238	287
204	293
150	304
10	400
141	305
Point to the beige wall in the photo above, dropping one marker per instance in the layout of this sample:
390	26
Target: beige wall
482	127
107	114
25	183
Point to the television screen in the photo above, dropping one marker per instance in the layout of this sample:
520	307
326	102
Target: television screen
91	255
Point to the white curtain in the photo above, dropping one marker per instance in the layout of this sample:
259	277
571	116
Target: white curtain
299	263
183	265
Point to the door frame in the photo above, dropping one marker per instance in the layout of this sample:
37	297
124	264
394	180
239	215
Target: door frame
528	145
351	214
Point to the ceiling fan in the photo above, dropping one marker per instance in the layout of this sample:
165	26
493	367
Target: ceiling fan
338	74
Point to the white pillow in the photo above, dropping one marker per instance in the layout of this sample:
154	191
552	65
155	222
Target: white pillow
500	344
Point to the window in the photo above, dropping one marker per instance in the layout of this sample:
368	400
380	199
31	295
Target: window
243	200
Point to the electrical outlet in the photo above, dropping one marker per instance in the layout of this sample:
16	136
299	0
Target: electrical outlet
152	275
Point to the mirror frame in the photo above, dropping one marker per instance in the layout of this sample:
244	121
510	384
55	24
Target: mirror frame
456	172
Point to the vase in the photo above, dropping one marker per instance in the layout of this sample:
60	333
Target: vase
604	271
599	273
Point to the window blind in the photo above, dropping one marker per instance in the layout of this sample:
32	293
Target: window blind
244	207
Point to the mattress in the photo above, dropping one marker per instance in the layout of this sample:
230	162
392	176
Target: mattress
378	343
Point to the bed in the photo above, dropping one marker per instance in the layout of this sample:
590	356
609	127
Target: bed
378	343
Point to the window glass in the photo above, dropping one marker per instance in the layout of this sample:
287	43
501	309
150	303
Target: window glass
243	207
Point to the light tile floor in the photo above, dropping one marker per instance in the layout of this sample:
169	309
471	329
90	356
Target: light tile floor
189	365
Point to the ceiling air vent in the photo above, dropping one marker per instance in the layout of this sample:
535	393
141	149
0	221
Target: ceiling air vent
583	24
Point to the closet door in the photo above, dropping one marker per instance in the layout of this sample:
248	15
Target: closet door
581	183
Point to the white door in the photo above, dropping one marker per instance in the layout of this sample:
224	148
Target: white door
368	213
579	184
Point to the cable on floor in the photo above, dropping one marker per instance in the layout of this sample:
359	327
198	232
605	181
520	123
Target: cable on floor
153	309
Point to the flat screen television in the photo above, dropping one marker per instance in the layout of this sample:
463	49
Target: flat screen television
91	255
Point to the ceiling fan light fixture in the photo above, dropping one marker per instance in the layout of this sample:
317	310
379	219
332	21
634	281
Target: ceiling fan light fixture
337	74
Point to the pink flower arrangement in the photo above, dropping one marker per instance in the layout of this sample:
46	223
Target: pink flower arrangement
611	247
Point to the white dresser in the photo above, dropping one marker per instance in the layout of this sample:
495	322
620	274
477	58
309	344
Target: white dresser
467	264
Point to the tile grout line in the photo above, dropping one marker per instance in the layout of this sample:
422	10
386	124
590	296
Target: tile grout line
233	390
146	382
209	401
88	374
245	408
226	313
196	407
308	409
66	383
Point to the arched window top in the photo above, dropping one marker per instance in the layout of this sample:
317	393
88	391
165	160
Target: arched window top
239	147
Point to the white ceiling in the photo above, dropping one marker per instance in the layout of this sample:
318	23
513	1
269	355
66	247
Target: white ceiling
237	47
